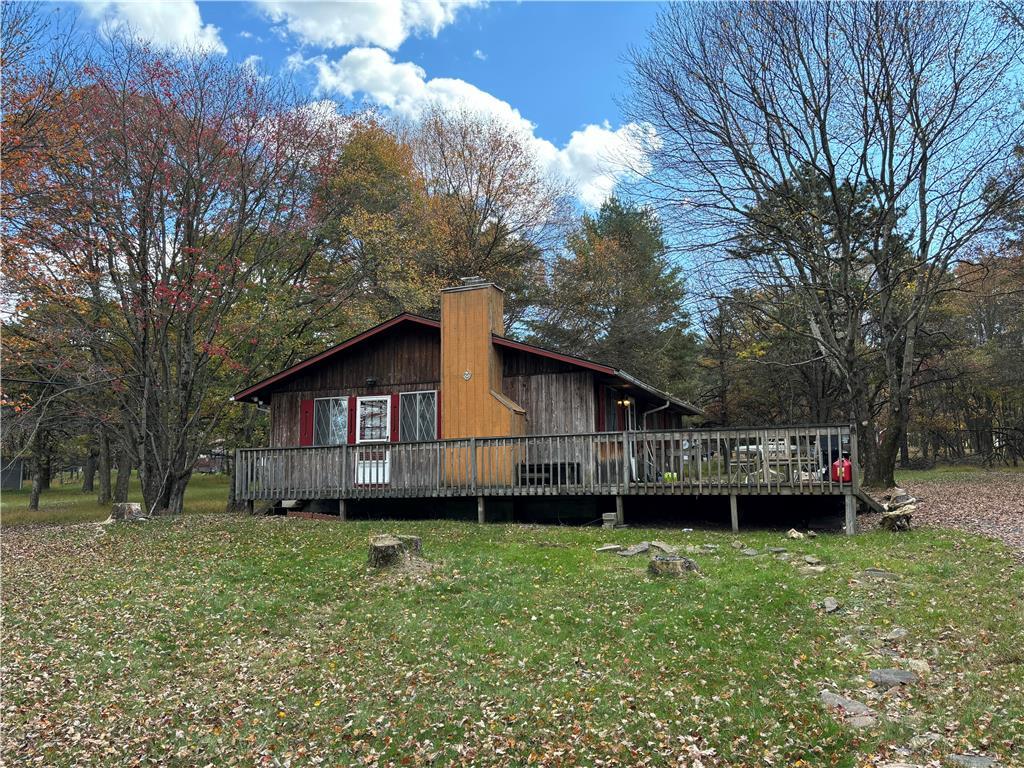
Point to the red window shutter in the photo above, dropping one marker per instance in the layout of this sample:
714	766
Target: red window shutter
438	401
351	420
306	422
394	417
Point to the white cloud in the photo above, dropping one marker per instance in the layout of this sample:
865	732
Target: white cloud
384	23
478	54
595	158
163	23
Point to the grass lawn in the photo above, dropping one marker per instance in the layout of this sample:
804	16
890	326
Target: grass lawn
68	504
228	640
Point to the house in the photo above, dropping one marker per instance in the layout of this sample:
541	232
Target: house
412	379
418	408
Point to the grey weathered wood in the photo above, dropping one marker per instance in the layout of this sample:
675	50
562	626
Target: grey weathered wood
734	514
481	510
620	514
851	513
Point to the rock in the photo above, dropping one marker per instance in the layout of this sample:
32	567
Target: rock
793	533
812	534
812	570
972	761
709	547
861	721
812	560
667	549
609	520
127	511
900	765
609	548
894	634
776	550
890	678
672	566
737	545
855	713
749	552
783	556
920	666
897	521
636	549
830	604
924	740
878	573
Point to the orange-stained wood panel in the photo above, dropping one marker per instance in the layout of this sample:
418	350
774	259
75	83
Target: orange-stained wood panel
473	404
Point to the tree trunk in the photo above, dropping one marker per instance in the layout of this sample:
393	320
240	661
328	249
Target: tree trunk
905	451
124	475
89	470
103	497
45	470
37	474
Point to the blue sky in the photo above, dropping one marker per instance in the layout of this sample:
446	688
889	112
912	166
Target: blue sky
556	70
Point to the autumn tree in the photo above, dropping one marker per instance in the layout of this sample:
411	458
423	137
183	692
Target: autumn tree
497	209
178	188
757	105
614	296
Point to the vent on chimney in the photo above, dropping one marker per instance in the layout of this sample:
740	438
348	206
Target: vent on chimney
472	280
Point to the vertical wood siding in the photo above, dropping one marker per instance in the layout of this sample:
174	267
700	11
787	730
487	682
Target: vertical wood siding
555	403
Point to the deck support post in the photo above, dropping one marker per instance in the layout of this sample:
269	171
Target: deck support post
851	513
250	507
620	514
343	509
734	514
481	512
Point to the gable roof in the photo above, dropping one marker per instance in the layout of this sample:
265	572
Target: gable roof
253	392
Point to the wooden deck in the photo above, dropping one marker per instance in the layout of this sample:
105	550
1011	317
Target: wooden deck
734	462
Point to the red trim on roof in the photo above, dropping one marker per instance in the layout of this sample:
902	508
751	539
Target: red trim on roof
501	341
406	317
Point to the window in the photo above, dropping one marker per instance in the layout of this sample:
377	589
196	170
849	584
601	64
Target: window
417	416
373	419
330	421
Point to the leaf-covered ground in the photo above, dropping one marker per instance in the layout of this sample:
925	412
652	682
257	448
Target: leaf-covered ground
987	502
216	640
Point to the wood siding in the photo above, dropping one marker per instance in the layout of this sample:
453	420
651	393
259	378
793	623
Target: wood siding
400	356
555	403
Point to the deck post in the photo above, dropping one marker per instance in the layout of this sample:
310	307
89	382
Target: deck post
481	512
620	514
343	509
625	462
851	513
734	512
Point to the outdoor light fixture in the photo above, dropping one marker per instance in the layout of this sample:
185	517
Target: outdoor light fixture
371	382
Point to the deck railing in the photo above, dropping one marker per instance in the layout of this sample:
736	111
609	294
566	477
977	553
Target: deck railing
772	460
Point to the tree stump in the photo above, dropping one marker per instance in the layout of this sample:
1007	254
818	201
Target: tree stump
413	544
127	511
386	550
672	566
898	520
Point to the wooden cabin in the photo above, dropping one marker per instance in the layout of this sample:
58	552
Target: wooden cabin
416	407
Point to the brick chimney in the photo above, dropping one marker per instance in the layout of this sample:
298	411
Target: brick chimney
472	402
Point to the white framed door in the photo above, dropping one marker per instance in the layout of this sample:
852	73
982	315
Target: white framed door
373	425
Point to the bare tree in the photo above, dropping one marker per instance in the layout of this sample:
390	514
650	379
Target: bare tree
857	142
497	209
